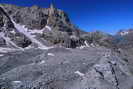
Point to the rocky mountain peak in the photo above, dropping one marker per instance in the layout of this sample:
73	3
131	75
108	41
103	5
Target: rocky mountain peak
52	7
47	25
125	32
36	17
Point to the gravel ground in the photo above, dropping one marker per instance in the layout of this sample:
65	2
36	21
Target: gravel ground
61	68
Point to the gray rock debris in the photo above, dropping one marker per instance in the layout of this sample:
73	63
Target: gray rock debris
88	68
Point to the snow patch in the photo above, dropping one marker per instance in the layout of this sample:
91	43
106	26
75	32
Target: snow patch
35	31
17	82
124	33
45	48
13	31
42	62
79	73
29	47
81	47
6	50
92	45
51	54
86	44
48	27
73	36
1	55
8	40
24	30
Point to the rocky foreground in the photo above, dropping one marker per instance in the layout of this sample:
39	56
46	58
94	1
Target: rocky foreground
61	68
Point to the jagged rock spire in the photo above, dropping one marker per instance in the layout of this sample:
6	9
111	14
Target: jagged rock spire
52	6
52	9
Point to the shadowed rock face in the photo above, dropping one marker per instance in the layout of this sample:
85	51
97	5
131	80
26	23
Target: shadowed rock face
5	19
9	32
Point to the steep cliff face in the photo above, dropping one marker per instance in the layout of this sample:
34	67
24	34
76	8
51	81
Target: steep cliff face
37	18
33	17
8	33
45	24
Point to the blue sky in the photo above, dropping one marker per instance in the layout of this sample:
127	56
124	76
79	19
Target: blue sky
104	15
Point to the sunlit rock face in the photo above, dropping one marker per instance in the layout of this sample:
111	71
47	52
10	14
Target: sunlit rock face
37	18
31	17
39	23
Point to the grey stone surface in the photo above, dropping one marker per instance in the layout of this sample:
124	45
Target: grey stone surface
61	68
